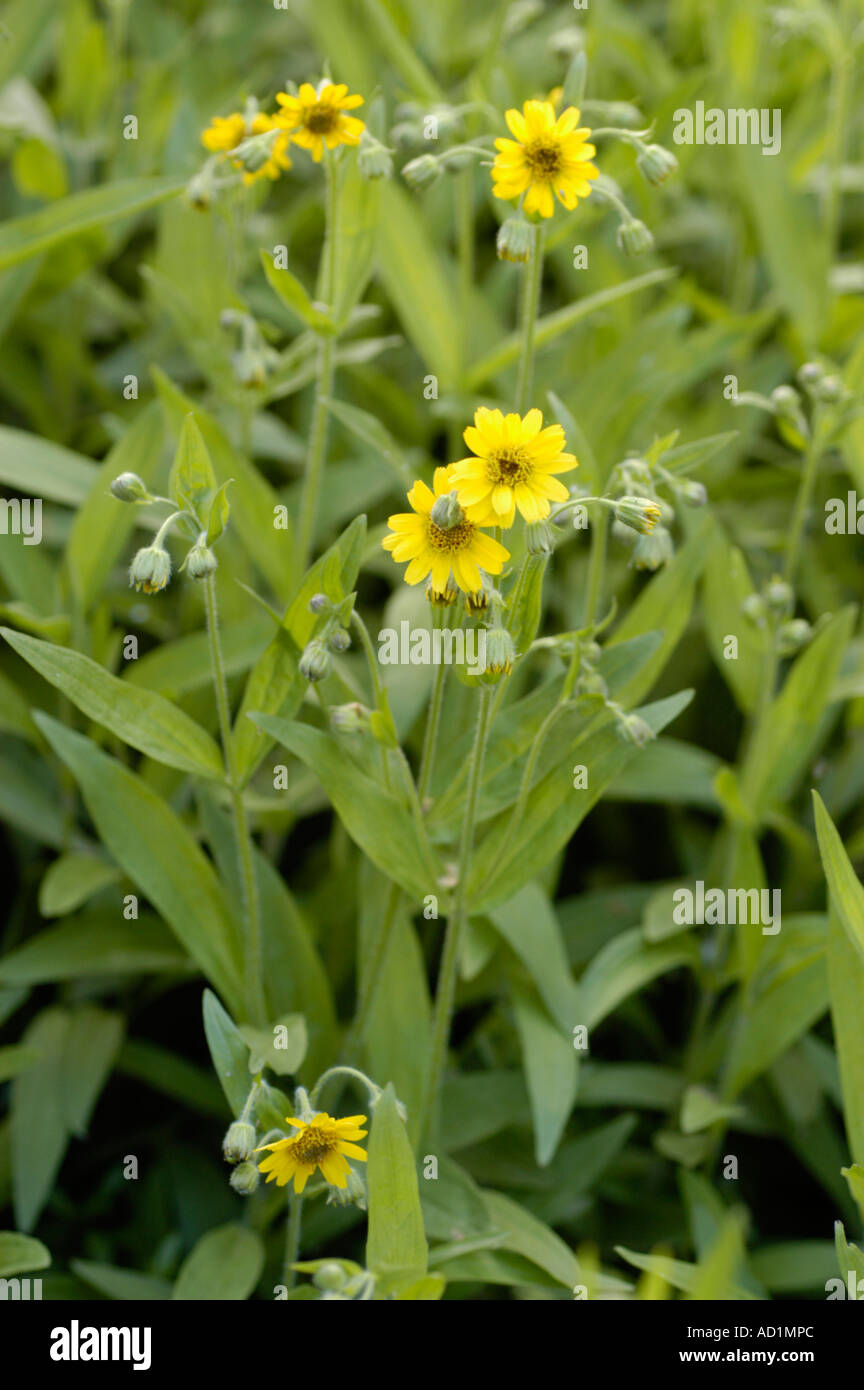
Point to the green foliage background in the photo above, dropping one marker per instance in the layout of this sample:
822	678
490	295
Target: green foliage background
552	1172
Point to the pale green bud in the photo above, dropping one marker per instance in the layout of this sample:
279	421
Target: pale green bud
446	511
239	1141
422	172
656	163
640	513
201	562
514	240
634	238
374	160
245	1179
128	487
150	570
654	550
500	652
315	662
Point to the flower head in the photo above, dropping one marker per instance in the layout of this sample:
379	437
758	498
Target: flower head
322	1142
274	162
550	156
315	119
151	569
224	132
456	552
515	460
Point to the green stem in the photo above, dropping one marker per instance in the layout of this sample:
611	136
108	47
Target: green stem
803	500
433	719
446	990
254	987
465	232
530	306
324	374
841	80
292	1240
596	565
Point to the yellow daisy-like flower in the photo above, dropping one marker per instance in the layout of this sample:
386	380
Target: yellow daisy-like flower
549	156
315	119
224	132
461	549
321	1143
514	466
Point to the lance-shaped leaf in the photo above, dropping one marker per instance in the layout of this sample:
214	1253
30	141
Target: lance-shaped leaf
396	1244
139	717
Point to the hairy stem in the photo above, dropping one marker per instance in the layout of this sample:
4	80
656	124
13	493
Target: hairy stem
533	279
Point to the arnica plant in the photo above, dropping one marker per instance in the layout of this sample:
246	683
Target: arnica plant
432	664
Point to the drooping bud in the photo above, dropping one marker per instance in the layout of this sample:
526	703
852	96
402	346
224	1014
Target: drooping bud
779	597
652	551
374	160
634	238
422	172
810	374
352	718
339	640
693	493
330	1276
245	1179
540	537
200	563
632	728
656	163
314	664
500	652
150	569
239	1142
128	487
514	240
442	598
639	513
793	635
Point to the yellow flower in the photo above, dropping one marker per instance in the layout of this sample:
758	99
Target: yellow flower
549	155
278	159
224	132
460	549
514	466
316	119
322	1143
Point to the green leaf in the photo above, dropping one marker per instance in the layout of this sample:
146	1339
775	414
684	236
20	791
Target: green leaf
192	480
374	819
418	285
125	1285
40	468
16	1059
220	511
93	945
141	718
788	1006
846	989
21	1254
844	888
370	429
92	1043
531	1239
542	952
229	1051
551	1067
294	296
93	207
626	965
700	1109
39	1130
224	1266
282	1051
158	853
71	880
791	729
396	1242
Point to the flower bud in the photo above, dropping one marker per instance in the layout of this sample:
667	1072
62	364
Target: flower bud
830	390
201	562
634	238
442	598
150	570
128	487
632	728
793	635
654	550
339	640
315	662
319	603
693	493
352	718
785	400
539	538
239	1141
373	159
244	1179
754	608
592	683
779	596
352	1194
514	240
656	163
810	374
500	652
640	513
446	511
330	1276
422	172
475	604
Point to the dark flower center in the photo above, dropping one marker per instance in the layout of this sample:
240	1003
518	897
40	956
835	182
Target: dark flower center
544	157
313	1145
321	120
454	538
